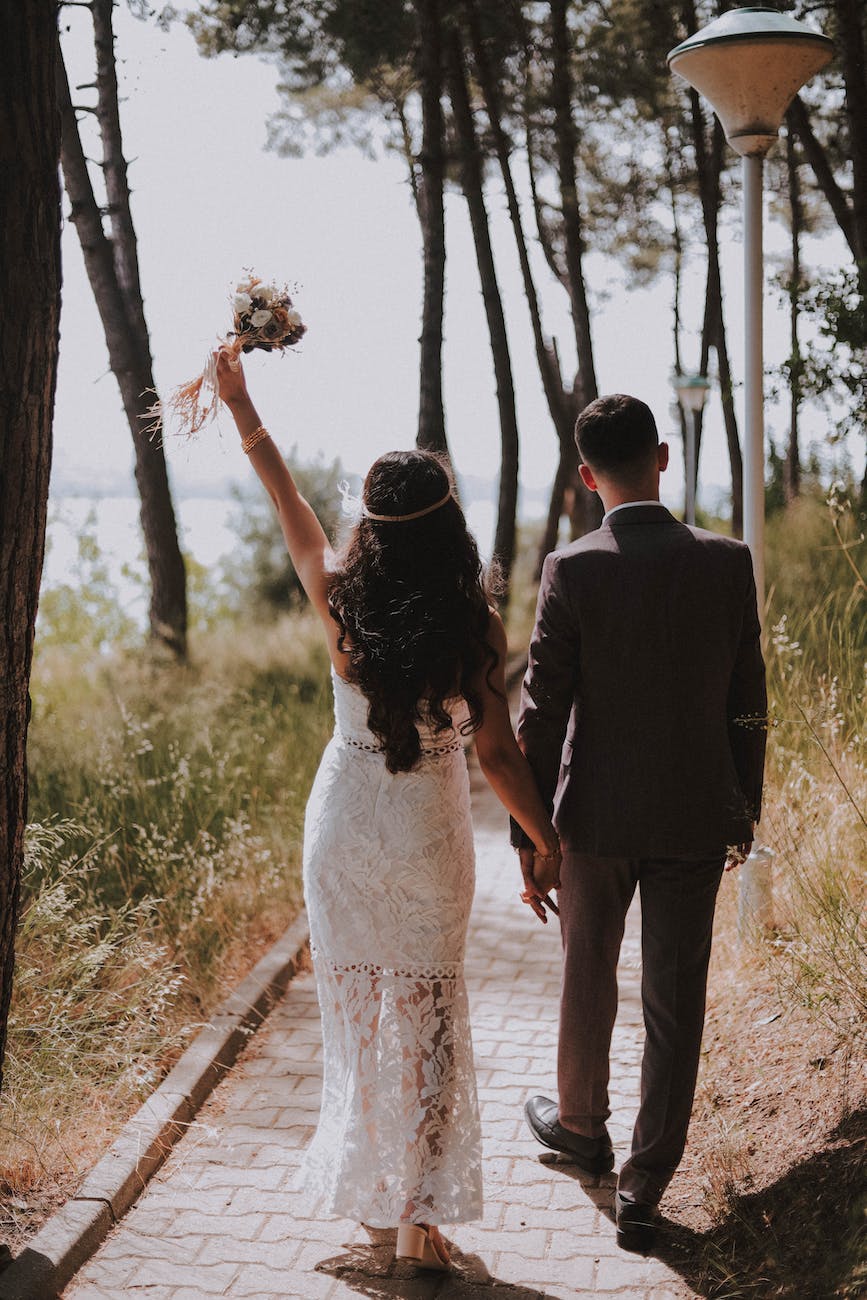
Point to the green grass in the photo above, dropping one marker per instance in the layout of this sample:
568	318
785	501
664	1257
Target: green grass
816	818
167	808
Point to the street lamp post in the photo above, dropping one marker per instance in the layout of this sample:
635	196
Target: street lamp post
691	393
750	63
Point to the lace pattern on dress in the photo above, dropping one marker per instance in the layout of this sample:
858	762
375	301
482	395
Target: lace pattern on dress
425	753
398	1133
388	882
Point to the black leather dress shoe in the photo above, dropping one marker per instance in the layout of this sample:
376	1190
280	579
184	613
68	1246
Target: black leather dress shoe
593	1155
636	1224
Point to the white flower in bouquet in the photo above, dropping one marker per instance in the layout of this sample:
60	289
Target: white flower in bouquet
265	318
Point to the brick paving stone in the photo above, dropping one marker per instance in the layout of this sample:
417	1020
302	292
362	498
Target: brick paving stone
224	1216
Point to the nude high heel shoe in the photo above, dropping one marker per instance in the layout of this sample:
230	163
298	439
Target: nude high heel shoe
414	1244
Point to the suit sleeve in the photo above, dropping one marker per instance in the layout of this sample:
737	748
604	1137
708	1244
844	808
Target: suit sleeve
748	701
548	689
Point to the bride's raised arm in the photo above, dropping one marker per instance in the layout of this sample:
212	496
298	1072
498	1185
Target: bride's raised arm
309	548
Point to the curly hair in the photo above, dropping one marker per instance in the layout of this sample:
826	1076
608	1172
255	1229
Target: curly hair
412	603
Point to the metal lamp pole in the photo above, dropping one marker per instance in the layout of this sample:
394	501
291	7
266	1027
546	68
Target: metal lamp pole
749	64
691	393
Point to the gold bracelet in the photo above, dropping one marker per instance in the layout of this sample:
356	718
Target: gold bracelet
253	439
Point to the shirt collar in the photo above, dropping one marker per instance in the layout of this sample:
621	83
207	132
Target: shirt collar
628	505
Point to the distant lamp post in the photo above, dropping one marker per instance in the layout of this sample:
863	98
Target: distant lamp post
691	393
750	64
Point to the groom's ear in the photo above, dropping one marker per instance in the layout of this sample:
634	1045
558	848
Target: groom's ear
587	478
663	452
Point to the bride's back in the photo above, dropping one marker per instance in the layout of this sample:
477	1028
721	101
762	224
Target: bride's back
411	604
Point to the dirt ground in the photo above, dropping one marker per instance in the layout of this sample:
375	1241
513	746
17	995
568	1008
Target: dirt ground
771	1199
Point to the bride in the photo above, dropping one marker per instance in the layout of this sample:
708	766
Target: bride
418	663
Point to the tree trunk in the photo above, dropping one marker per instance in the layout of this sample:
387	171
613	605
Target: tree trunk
728	404
816	156
677	249
112	268
563	404
473	186
709	170
30	288
566	136
431	414
792	462
852	54
562	482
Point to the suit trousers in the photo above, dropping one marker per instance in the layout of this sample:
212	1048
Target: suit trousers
678	898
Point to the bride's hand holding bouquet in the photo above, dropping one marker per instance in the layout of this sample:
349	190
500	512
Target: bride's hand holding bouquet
263	317
231	381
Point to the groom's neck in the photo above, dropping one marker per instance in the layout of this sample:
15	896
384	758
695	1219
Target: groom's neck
612	494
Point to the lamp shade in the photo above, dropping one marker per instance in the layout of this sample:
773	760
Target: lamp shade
691	391
749	64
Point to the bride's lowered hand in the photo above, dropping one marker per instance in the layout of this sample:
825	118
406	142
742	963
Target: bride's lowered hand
509	774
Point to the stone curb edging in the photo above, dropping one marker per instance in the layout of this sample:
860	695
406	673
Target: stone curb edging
74	1233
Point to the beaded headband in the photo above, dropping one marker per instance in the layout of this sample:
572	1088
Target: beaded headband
402	519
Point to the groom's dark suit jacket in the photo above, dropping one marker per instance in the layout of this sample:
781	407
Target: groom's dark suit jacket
643	711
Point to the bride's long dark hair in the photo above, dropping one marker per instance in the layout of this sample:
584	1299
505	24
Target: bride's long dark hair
412	602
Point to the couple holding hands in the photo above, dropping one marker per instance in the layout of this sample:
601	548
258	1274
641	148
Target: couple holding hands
638	764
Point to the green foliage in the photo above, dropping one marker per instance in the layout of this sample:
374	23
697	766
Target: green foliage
86	611
816	818
93	983
263	579
835	371
167	805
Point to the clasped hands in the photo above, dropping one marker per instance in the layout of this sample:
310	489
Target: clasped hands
541	872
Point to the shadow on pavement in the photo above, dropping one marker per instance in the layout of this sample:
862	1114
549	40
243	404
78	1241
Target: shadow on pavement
372	1271
804	1237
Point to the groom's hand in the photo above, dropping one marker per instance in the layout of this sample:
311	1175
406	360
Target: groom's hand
531	893
541	875
737	854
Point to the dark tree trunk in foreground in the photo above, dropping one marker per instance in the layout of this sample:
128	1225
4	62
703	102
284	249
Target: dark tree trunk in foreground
30	292
112	268
431	415
473	187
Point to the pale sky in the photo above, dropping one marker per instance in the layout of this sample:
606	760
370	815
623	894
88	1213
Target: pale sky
209	201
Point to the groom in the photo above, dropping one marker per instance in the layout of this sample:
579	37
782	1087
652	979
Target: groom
643	717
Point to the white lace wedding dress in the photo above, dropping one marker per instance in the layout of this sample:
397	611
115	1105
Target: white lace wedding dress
388	879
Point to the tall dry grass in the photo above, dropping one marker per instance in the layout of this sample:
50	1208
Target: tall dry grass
816	819
164	854
785	1045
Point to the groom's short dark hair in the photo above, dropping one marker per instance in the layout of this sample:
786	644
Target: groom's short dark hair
616	434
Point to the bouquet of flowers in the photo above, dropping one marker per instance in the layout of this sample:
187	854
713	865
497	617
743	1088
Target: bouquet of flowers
265	318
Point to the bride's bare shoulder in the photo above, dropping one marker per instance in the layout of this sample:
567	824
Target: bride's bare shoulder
497	632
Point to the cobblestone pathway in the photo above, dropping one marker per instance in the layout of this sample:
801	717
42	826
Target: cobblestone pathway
219	1220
